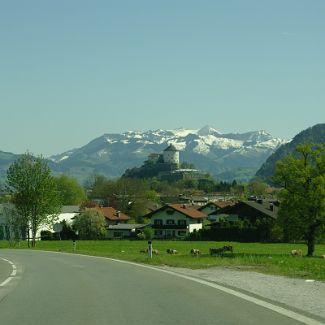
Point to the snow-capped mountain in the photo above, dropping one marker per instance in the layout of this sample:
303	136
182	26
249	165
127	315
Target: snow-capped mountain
226	156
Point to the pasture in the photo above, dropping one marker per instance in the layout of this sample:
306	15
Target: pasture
265	258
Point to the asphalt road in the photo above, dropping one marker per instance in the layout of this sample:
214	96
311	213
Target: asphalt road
57	288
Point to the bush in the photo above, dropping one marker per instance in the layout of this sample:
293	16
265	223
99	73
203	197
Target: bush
46	235
241	231
90	224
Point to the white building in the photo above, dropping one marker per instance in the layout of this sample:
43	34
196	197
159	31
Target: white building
171	155
175	221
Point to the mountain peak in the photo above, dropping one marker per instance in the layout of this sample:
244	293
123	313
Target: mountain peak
208	130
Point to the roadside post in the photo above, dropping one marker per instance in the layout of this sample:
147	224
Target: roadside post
74	241
150	248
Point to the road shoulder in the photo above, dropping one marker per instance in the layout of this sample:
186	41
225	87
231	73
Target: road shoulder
299	294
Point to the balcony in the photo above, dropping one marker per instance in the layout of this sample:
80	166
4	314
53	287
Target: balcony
183	227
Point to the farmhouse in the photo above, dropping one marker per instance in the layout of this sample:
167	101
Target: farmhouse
175	221
7	212
249	210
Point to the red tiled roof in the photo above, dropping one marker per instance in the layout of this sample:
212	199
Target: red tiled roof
112	214
188	211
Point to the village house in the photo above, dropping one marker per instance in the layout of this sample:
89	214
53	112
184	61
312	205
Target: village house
67	213
248	210
175	221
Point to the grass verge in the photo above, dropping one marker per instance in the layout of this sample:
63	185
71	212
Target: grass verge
266	258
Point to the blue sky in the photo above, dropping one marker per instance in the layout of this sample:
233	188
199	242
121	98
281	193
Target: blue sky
72	70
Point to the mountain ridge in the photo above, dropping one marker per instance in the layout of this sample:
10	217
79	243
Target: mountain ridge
208	149
225	156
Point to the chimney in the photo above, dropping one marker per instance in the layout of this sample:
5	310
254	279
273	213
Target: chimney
184	206
118	213
271	206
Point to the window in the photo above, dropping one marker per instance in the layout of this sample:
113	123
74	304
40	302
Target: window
182	233
182	222
117	234
170	222
157	222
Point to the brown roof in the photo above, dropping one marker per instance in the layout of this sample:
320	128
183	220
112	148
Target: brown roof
218	204
188	210
112	214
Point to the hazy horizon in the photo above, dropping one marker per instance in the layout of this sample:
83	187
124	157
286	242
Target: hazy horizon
72	71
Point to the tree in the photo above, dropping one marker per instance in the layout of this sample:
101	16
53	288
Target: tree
33	192
12	225
71	191
302	208
90	224
257	187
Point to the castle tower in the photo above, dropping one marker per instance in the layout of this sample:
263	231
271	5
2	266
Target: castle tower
171	155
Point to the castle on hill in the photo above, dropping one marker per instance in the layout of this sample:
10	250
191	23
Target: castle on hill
165	166
169	156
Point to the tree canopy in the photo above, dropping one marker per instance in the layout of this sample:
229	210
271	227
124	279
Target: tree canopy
302	208
33	192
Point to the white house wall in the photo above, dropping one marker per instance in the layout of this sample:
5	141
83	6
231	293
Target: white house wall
191	224
68	217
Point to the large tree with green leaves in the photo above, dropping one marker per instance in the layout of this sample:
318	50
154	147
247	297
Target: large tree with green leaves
33	192
302	209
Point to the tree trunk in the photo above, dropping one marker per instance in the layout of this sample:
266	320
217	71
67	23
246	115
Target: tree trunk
33	238
311	246
28	240
311	240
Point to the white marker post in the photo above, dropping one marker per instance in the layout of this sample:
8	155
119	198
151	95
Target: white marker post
150	248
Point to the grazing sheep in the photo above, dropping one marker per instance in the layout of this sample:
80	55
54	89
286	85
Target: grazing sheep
171	251
228	248
323	256
296	252
154	251
195	251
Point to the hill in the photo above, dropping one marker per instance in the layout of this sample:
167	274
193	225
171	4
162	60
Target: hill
315	134
6	159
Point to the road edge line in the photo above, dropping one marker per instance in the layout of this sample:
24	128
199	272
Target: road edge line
12	274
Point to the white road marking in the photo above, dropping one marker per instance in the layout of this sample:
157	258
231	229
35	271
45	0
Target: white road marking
13	272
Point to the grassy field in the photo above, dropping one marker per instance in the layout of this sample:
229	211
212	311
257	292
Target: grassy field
265	258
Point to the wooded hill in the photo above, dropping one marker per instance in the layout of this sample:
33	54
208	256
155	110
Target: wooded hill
315	134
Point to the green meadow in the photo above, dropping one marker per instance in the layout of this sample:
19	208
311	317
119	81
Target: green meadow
265	258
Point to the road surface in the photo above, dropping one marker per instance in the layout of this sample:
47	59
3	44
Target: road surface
57	288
